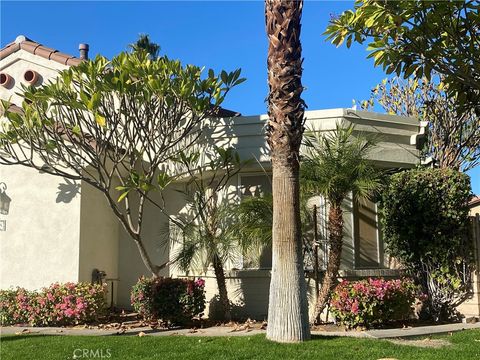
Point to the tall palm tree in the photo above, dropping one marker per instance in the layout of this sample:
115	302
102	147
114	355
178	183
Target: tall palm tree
336	165
287	308
144	43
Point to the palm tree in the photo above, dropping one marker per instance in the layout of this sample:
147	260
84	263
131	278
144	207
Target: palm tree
207	233
287	308
336	165
144	43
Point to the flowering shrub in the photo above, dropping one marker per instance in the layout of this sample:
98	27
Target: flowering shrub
58	304
373	301
167	299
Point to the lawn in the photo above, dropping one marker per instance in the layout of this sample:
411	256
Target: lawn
465	345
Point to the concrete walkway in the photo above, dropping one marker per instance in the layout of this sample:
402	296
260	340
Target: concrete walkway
402	332
230	331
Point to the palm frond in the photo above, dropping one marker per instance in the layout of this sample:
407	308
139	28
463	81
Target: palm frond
336	163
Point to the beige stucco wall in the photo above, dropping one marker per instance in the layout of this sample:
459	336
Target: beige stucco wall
17	63
41	242
130	264
99	235
475	210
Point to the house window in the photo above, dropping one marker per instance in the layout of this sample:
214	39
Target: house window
368	246
256	184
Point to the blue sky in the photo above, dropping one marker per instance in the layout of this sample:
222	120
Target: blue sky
219	35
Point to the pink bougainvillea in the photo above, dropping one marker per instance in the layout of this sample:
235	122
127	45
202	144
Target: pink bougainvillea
373	301
59	304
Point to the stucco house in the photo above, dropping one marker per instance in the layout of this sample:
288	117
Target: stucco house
54	229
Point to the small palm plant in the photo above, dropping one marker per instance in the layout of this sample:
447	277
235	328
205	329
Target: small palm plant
335	164
208	233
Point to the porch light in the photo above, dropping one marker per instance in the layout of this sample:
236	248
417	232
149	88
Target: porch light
4	199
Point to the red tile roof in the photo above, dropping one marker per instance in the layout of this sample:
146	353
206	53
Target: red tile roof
21	42
475	201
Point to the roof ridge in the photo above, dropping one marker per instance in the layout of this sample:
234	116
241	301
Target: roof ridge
35	48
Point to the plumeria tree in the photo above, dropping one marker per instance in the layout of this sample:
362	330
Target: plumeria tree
115	125
419	37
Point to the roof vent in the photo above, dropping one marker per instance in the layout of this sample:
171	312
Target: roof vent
5	80
31	77
83	48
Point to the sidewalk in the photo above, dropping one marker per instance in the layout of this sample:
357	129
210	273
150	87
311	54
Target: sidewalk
229	331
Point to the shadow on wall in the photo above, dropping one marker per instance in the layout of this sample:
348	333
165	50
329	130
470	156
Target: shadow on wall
215	309
248	297
67	191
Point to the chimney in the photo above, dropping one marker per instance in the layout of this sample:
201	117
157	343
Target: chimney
83	48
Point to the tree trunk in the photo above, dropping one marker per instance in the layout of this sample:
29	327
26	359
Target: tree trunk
287	308
335	228
222	288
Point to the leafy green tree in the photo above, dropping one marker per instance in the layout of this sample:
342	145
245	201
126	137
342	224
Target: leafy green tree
419	37
335	165
287	306
206	235
453	138
112	124
425	225
144	43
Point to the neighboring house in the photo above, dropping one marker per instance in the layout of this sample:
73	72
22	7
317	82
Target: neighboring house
474	205
56	229
471	307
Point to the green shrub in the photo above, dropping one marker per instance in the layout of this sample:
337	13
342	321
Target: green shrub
373	301
424	216
174	301
58	304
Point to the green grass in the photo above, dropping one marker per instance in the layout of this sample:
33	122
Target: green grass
465	346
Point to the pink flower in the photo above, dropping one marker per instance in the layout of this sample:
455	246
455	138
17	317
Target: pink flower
200	282
69	312
355	307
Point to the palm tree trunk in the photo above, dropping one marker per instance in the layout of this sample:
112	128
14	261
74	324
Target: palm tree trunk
335	228
287	308
222	288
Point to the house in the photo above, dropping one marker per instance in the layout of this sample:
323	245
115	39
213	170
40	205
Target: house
474	205
55	229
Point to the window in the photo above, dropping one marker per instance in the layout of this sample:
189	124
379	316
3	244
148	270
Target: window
368	247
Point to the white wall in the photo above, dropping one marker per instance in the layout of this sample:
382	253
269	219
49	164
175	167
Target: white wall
41	242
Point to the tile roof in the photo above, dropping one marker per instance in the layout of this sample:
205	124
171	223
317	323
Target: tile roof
475	200
21	42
